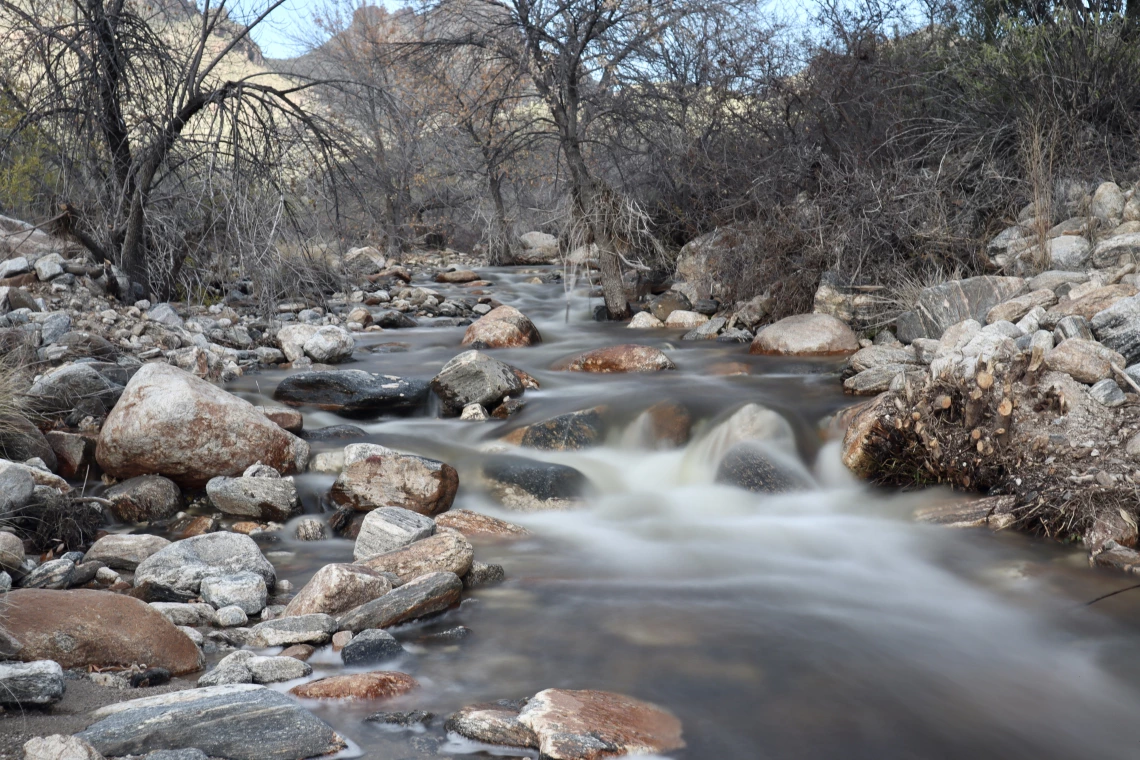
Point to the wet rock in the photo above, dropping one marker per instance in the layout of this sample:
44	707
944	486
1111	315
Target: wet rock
474	378
1107	392
402	719
60	390
375	685
352	391
530	485
389	528
643	320
273	499
310	529
458	277
124	552
806	335
949	303
59	747
333	433
493	723
586	725
375	476
245	590
298	651
476	525
81	627
665	304
1085	361
314	628
484	574
184	564
240	722
145	498
30	684
287	419
627	357
444	552
423	596
370	647
749	466
337	588
330	345
502	327
170	423
566	432
54	574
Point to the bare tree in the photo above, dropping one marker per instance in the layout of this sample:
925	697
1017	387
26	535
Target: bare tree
149	107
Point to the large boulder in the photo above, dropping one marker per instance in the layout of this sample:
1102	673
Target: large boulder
1091	303
589	725
502	327
426	595
239	722
447	551
627	357
1109	251
1085	361
389	528
806	335
475	378
1068	251
536	248
353	392
329	345
30	684
258	498
170	423
376	476
184	564
940	306
145	498
1108	203
17	487
338	588
81	627
529	485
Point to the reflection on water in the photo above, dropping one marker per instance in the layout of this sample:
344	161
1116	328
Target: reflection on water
813	625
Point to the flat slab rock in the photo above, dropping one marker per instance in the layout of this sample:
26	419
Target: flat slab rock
426	595
239	722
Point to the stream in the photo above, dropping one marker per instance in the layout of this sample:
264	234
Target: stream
812	625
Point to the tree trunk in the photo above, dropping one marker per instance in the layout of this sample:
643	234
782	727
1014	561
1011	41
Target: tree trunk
499	249
591	201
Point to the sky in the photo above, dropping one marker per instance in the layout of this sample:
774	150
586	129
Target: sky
285	33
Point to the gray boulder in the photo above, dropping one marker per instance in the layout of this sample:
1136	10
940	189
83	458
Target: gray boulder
353	391
473	377
145	498
389	528
530	485
426	595
1118	327
54	574
260	498
27	684
245	590
369	647
330	345
184	564
61	390
941	306
239	722
17	486
316	628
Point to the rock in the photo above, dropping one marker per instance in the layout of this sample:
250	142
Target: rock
502	327
334	433
878	379
1085	361
484	574
475	525
231	669
240	722
287	419
184	564
165	315
1016	308
474	413
310	529
145	498
444	552
292	339
941	306
566	432
330	345
124	552
375	685
538	248
298	651
81	627
266	670
11	550
627	357
493	723
665	304
365	259
1108	203
856	452
878	356
60	390
352	391
459	276
474	378
186	614
586	725
412	719
375	476
709	330
20	441
260	498
425	595
805	335
338	588
1118	327
340	639
1107	392
314	628
232	616
17	487
1072	327
530	485
1068	251
747	465
245	590
53	574
643	320
60	747
74	455
389	528
1090	304
1054	279
370	647
170	423
30	684
681	319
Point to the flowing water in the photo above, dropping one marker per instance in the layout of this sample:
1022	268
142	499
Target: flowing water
812	625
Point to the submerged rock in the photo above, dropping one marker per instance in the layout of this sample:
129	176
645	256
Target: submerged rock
627	357
748	466
566	432
375	685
